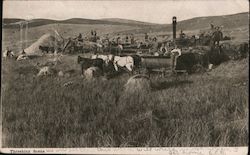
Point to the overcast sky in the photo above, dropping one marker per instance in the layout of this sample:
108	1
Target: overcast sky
148	11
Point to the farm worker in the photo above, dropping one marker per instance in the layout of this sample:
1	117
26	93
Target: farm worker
23	52
163	49
80	38
118	40
107	37
8	53
217	35
99	45
22	56
120	48
139	44
175	53
182	34
132	39
212	25
94	38
126	39
155	39
154	47
107	41
146	37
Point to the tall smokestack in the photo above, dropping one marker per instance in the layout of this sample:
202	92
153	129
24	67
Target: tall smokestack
174	27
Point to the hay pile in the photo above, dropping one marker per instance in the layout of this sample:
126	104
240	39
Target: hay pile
46	40
232	69
92	73
138	83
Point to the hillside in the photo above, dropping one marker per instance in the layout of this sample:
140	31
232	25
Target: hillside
199	23
12	23
127	21
227	21
11	20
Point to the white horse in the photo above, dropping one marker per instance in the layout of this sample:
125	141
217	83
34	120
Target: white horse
126	61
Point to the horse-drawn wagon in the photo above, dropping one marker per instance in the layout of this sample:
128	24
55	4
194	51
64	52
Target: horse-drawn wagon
161	64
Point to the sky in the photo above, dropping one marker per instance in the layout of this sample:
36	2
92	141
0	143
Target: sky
142	10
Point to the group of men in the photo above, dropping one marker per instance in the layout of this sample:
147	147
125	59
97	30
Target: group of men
93	36
211	37
155	48
119	40
8	53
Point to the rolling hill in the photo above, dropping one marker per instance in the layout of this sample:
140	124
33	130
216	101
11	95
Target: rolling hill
199	23
227	21
13	23
127	21
11	20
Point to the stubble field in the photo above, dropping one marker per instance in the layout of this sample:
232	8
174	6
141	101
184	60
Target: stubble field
209	109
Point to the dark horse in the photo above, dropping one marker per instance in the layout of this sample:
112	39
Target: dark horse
46	49
73	46
189	61
86	63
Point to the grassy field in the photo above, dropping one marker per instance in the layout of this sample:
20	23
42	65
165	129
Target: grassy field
208	109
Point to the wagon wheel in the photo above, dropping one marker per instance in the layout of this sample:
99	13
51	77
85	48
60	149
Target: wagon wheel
146	71
137	70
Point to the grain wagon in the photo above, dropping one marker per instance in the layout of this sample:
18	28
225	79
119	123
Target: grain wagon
161	64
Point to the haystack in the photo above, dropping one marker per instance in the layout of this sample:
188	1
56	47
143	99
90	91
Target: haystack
232	69
138	83
46	40
92	72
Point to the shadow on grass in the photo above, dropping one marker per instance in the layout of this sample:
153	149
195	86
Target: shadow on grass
169	84
34	56
116	74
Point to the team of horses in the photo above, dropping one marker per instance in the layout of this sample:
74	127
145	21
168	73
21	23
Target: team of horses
107	63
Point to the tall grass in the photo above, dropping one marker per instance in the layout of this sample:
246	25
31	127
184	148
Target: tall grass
198	110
